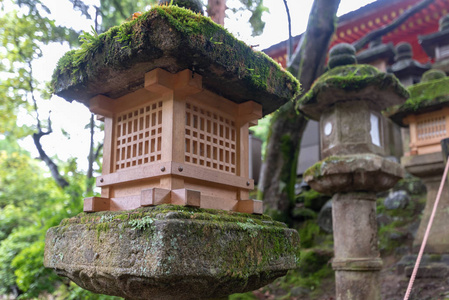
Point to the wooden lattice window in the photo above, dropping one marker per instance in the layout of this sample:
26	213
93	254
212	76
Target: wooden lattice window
431	128
210	139
139	136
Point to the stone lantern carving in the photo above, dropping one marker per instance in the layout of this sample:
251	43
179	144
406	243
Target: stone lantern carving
177	94
348	100
427	115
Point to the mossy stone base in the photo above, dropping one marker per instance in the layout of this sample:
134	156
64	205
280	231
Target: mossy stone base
171	252
353	173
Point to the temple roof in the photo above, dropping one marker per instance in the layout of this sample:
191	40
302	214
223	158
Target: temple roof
353	25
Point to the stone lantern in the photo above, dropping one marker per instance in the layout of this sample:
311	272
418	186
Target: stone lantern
378	55
436	45
426	113
174	220
405	68
348	101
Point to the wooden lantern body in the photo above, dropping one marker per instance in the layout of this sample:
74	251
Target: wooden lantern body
427	130
175	142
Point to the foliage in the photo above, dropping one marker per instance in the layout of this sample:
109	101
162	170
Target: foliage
393	232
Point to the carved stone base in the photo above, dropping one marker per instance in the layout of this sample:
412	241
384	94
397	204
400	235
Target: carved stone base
171	252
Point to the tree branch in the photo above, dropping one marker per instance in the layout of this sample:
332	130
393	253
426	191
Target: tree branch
290	39
287	125
390	27
54	170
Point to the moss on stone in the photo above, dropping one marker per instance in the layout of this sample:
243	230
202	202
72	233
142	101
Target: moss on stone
424	97
353	78
172	38
168	211
171	243
428	93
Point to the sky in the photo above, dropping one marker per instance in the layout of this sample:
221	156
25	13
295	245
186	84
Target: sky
73	117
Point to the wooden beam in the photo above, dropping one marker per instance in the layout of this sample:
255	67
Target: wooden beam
159	81
186	197
250	206
94	204
249	112
154	196
102	105
157	170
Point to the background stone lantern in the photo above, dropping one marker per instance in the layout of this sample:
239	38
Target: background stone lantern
436	45
177	94
427	115
405	68
348	100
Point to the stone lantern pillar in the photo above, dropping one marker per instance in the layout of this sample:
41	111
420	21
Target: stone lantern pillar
174	220
426	113
348	100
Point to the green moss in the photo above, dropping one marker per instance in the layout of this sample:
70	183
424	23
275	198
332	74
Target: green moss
426	94
313	269
353	78
265	241
123	44
316	170
308	230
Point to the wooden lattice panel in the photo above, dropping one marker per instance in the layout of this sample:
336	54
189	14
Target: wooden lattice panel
139	136
431	128
210	139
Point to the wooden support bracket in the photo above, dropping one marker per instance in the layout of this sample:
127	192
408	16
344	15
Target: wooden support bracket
186	197
250	206
94	204
154	196
250	112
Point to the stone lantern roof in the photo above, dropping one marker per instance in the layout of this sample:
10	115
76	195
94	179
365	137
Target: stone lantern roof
355	82
429	95
406	69
431	42
376	51
174	39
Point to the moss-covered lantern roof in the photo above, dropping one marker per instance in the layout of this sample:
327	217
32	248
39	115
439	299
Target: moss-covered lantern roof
174	39
424	97
352	82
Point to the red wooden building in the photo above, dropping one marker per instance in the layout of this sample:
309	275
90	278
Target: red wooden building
352	26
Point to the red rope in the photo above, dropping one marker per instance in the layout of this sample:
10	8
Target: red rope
426	235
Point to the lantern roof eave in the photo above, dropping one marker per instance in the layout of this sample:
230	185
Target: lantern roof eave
174	39
430	41
424	97
352	82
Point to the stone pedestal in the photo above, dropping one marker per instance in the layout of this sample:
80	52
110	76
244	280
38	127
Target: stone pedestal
429	168
171	252
356	179
357	260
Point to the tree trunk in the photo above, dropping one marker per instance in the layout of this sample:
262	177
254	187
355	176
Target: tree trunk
287	125
216	10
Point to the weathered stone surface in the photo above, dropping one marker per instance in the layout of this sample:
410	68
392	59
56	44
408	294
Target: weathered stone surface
352	82
173	39
397	199
431	266
344	138
352	173
171	252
